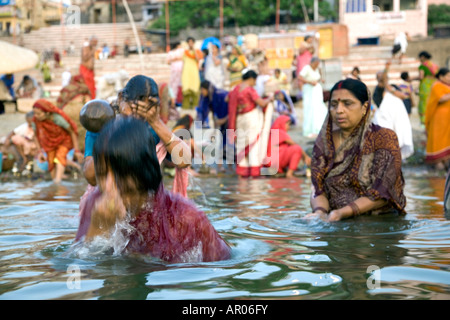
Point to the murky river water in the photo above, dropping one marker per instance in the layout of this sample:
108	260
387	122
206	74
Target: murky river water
276	254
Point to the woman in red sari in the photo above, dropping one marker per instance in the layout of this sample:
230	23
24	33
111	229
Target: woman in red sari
289	153
56	134
250	117
132	204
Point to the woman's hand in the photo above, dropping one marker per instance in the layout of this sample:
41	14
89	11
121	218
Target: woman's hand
317	214
41	157
108	209
147	110
335	215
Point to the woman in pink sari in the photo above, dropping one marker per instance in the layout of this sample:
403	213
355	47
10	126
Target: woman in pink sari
132	204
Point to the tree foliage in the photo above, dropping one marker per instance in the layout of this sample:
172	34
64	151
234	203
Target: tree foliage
205	13
438	14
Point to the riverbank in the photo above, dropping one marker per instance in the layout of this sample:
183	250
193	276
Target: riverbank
11	119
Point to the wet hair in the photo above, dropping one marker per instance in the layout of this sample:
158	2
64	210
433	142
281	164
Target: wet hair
425	54
442	72
140	87
404	75
126	147
249	74
356	87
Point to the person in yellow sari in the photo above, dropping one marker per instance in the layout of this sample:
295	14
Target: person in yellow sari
190	76
237	63
437	122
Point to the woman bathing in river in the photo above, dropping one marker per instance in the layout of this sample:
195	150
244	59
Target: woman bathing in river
164	225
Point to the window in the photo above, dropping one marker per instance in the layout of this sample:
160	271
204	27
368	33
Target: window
408	4
383	5
355	6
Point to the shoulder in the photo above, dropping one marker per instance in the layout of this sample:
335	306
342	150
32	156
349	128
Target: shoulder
382	138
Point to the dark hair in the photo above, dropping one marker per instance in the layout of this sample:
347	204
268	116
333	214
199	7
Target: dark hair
140	87
190	38
205	84
126	147
356	87
404	75
442	72
425	54
249	74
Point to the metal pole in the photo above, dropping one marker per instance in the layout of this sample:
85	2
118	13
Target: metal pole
136	36
113	4
277	17
221	19
167	27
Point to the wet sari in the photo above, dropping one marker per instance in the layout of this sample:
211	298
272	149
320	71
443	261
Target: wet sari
168	227
429	69
367	164
437	125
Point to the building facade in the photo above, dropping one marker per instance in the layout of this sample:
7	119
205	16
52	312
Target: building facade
384	18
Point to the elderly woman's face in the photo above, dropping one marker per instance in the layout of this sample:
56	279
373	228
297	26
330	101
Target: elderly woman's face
346	110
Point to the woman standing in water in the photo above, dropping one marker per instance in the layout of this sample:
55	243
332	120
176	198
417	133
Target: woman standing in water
437	122
427	72
163	225
249	118
56	134
356	165
314	109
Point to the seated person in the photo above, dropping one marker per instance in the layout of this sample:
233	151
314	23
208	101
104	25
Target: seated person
356	166
165	225
22	138
289	152
283	105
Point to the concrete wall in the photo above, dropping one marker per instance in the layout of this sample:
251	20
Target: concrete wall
438	48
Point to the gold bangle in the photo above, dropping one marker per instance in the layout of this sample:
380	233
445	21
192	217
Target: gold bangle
172	139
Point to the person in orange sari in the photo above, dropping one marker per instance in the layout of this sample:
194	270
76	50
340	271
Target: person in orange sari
56	134
437	122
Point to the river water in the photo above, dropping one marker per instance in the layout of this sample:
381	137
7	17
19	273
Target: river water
276	254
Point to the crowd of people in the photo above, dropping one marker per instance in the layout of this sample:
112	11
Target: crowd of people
360	142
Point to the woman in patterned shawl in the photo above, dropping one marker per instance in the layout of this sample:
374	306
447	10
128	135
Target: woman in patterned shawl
356	165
